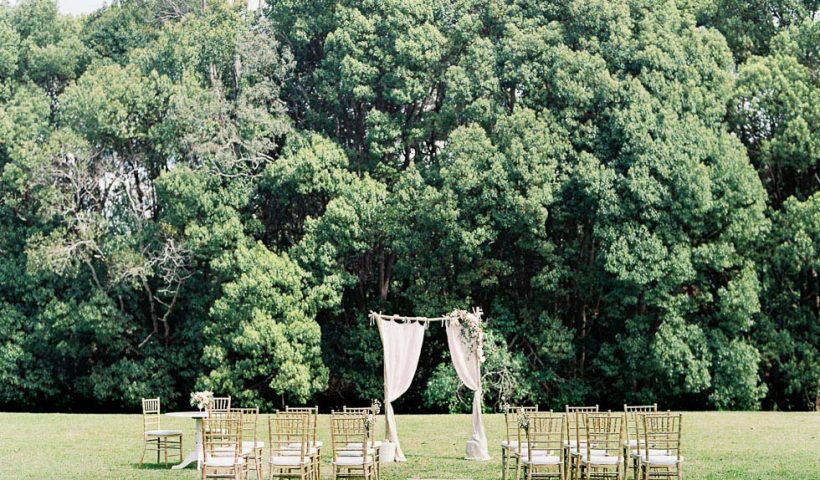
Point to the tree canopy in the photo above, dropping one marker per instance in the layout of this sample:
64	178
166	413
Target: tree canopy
214	198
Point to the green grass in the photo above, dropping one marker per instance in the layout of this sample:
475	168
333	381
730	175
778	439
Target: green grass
720	446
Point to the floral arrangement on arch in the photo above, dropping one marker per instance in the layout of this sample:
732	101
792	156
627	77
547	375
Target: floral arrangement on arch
471	331
202	399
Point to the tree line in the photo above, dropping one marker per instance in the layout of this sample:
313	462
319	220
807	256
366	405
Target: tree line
194	196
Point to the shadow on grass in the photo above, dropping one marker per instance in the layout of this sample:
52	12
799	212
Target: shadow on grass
151	466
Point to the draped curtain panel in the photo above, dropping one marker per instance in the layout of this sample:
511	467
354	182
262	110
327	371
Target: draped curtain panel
402	348
468	367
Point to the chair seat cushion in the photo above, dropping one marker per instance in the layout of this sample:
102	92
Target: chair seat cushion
542	460
600	460
573	443
632	443
218	462
288	460
163	433
317	444
663	459
295	452
652	452
252	444
509	444
352	461
355	453
372	444
249	447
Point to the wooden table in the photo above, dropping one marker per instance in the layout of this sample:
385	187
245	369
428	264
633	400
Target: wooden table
196	455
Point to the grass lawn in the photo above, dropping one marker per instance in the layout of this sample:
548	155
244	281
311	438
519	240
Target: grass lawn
724	446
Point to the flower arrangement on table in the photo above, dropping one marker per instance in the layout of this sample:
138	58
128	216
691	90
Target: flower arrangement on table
471	331
201	400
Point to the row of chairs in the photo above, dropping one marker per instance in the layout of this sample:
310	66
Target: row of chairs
231	448
584	442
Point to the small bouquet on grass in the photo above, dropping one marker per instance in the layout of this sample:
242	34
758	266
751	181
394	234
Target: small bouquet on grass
201	400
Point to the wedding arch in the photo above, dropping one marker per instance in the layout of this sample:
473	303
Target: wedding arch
402	338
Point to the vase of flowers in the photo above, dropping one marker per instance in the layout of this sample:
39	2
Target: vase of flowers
201	399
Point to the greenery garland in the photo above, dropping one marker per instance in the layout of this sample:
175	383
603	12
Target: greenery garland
472	332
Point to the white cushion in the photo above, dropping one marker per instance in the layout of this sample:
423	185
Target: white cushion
217	462
249	447
542	460
354	453
294	452
371	443
665	459
288	460
601	460
352	461
652	452
163	433
510	444
296	445
632	443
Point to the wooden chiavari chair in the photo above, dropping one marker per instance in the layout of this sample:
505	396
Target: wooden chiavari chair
154	437
631	414
352	429
376	445
219	405
291	454
659	445
222	446
251	446
603	455
314	444
541	446
509	447
575	440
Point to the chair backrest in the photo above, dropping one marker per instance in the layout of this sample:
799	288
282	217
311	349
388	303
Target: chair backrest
150	414
350	434
542	433
219	405
312	414
511	419
288	434
574	423
631	413
222	436
250	421
660	432
604	434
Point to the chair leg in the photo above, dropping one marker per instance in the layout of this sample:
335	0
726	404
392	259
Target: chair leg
503	463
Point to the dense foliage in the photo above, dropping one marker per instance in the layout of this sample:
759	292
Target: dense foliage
214	198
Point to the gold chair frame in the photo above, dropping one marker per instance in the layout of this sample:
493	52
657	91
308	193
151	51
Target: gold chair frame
541	437
575	437
154	438
350	438
631	440
289	438
509	448
604	439
661	437
222	446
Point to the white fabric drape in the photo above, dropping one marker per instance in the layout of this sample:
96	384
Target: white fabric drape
402	348
468	367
